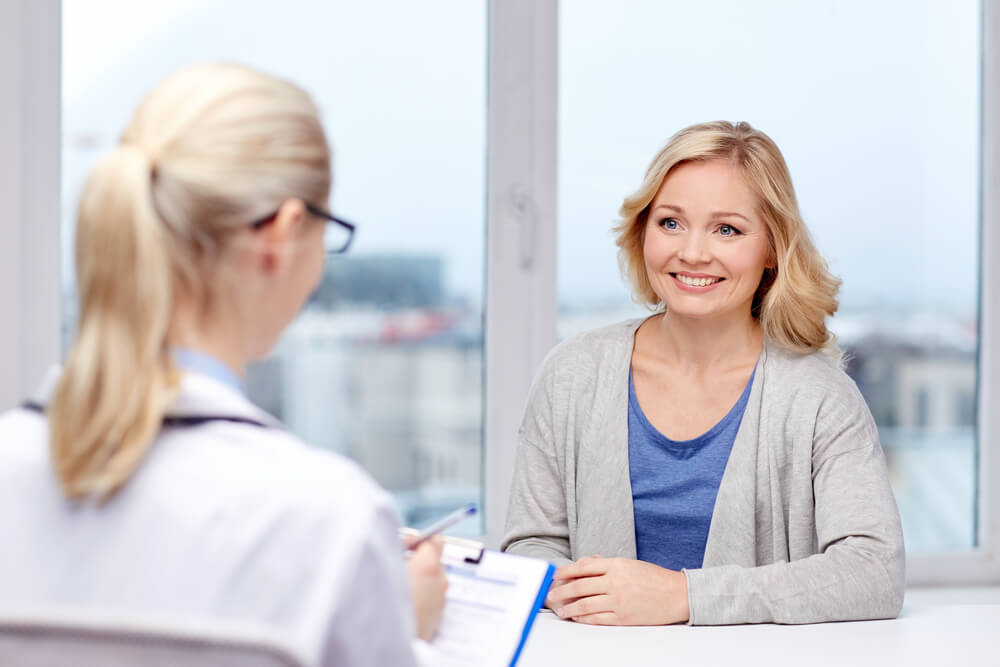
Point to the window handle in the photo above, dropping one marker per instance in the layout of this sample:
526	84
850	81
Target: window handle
521	206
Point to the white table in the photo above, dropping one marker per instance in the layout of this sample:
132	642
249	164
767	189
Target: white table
937	634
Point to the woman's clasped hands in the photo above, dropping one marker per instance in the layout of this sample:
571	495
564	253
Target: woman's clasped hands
619	591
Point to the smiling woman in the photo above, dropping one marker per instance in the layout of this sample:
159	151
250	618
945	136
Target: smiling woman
714	455
697	249
752	190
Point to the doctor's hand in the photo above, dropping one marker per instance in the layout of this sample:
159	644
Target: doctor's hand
619	591
427	586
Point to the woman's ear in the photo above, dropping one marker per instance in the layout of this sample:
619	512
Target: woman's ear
772	256
276	236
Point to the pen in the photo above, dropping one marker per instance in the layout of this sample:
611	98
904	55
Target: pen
443	524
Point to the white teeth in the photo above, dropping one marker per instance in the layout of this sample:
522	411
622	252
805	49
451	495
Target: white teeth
696	282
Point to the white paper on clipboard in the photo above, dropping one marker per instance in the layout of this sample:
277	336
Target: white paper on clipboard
492	601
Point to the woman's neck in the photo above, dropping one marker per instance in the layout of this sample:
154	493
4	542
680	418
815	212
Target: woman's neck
701	344
217	336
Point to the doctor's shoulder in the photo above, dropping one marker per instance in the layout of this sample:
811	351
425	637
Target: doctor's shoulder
23	442
300	473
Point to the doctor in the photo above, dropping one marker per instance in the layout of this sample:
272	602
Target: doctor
141	481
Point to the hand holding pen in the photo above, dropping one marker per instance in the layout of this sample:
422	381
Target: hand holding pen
415	540
428	585
427	579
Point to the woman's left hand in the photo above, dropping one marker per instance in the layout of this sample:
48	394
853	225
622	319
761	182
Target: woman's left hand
619	591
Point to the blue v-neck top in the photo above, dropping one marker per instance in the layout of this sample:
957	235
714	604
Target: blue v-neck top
675	483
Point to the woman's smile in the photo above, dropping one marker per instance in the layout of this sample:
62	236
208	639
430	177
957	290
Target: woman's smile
695	282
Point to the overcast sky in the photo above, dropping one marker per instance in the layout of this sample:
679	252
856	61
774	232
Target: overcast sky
875	105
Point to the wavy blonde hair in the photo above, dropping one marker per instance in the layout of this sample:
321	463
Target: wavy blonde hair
795	298
210	149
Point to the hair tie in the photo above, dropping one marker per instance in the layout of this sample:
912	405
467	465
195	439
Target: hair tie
147	153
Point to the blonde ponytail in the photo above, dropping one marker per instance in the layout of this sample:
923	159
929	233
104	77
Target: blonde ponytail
212	148
111	397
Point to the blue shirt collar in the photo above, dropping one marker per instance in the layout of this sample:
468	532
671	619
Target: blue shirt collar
196	361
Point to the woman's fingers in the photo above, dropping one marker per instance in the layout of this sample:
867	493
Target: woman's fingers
576	588
601	618
592	604
585	567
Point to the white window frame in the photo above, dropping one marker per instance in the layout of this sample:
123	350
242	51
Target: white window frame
982	564
30	153
521	229
520	319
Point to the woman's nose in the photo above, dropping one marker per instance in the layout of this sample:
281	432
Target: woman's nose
694	249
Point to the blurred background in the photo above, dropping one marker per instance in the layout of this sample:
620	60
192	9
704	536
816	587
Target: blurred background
876	106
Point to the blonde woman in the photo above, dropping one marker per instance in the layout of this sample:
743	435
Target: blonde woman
141	482
711	464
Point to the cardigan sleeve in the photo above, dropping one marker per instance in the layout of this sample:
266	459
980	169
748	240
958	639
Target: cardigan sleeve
858	571
537	516
537	523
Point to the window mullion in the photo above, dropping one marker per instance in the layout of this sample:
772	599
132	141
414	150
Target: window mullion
521	228
30	64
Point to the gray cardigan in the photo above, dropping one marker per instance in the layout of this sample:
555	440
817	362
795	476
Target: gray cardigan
805	527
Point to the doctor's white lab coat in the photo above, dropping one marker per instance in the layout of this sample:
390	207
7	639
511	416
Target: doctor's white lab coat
223	521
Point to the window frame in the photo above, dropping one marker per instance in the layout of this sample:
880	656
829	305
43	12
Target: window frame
981	565
520	317
30	155
520	303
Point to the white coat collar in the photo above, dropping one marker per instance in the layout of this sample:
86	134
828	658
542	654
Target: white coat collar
199	396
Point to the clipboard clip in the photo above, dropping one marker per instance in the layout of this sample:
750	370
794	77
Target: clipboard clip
467	552
457	550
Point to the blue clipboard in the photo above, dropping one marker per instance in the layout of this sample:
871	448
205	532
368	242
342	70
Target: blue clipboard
539	601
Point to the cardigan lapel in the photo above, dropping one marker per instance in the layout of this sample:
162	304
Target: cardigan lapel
732	535
619	532
605	510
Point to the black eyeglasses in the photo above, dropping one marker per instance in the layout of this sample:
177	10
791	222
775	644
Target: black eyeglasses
337	236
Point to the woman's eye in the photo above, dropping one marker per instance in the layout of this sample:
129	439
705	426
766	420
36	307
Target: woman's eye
668	223
728	230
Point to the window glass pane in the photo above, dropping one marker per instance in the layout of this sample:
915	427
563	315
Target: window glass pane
876	108
385	364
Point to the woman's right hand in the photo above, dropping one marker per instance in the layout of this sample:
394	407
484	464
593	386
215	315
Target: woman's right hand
427	586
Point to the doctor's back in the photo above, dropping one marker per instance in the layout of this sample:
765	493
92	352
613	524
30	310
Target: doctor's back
140	482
